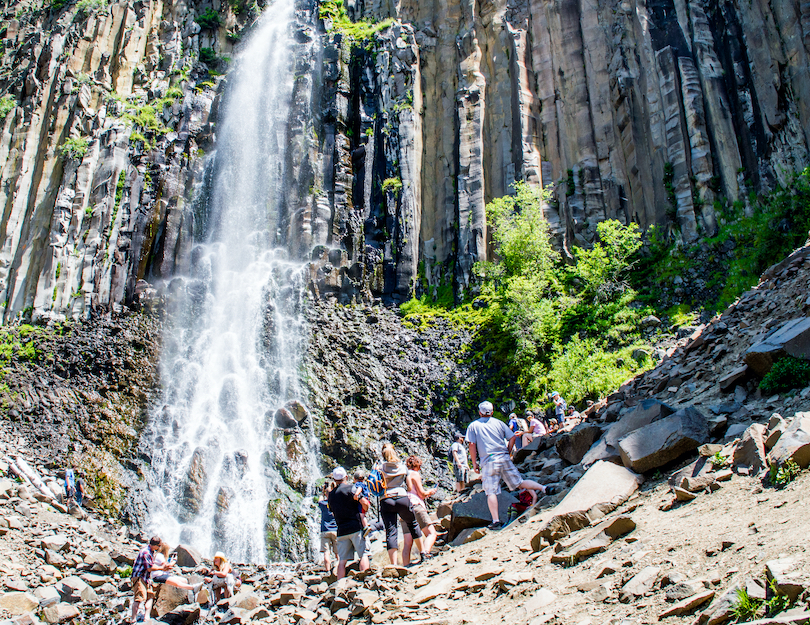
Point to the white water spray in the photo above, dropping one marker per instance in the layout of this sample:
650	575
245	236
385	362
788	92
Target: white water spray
235	335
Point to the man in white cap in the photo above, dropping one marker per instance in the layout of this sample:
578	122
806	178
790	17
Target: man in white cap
488	438
346	510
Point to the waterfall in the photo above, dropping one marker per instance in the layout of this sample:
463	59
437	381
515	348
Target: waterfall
232	448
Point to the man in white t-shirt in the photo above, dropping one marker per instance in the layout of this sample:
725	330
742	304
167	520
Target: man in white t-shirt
488	440
461	468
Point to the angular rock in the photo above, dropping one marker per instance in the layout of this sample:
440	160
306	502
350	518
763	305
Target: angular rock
722	610
794	443
787	577
188	556
792	338
538	444
736	376
603	487
57	542
469	535
596	540
47	595
245	600
776	427
750	451
600	450
688	605
60	613
18	602
474	512
681	494
640	584
647	411
182	615
665	440
539	600
168	598
682	590
99	561
573	445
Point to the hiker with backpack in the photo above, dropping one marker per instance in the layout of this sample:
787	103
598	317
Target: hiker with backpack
350	535
458	458
488	441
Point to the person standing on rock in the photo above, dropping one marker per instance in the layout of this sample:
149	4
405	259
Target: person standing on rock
488	438
559	408
417	494
142	571
328	528
396	503
345	508
461	467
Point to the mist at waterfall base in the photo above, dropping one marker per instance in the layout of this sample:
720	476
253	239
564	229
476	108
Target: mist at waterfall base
235	334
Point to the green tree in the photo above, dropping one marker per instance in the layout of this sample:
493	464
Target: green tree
603	267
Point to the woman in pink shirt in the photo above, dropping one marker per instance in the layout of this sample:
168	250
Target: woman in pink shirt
536	428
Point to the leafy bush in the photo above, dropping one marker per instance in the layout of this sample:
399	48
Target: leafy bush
746	608
208	56
208	19
88	7
719	461
787	373
392	185
7	104
74	147
362	30
784	475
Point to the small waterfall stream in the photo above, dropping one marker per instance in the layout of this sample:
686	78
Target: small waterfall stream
232	448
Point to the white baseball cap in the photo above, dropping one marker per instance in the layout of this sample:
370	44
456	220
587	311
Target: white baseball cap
339	474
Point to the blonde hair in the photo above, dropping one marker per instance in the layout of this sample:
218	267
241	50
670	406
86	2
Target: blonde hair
164	549
389	454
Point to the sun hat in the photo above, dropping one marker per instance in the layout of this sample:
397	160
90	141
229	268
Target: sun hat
339	474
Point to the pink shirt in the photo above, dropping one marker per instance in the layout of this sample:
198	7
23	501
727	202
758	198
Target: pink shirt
537	427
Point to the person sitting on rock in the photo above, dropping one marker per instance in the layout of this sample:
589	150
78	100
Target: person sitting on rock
526	499
417	494
328	528
221	577
161	574
142	577
350	538
514	425
536	429
488	438
461	467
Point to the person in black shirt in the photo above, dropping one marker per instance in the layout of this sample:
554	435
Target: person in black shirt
350	539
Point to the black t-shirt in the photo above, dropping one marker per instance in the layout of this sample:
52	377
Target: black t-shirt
345	509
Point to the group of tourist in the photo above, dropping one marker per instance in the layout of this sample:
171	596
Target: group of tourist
490	443
153	565
344	503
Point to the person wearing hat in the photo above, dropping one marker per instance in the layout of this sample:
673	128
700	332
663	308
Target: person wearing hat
559	408
142	577
221	577
344	506
488	438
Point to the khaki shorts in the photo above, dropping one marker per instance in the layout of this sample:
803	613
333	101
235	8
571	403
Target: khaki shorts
422	517
328	541
493	470
141	591
348	545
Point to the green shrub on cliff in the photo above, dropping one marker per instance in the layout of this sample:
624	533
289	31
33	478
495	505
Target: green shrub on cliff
334	12
7	104
786	374
208	19
74	147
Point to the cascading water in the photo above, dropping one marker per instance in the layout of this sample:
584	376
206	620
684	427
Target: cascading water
225	451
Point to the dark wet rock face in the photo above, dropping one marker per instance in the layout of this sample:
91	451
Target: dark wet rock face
373	379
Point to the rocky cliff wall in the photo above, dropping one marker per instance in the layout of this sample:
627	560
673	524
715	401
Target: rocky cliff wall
637	110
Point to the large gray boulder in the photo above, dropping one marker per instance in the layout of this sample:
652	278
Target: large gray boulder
474	512
572	446
538	444
188	556
603	487
750	451
792	338
794	443
665	440
647	411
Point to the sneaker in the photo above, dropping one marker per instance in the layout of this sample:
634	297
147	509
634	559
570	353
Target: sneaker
495	526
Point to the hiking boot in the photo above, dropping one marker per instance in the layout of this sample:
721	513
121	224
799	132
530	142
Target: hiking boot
495	526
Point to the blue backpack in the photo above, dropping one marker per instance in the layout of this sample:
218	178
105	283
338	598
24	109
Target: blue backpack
376	483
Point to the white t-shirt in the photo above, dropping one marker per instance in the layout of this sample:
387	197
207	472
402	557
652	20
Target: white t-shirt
461	451
158	560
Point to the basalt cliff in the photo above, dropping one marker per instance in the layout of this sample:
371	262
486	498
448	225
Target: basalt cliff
641	111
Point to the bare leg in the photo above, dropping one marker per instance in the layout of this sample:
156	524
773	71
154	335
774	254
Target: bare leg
528	485
429	538
492	503
364	563
327	561
135	606
341	569
407	544
393	556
